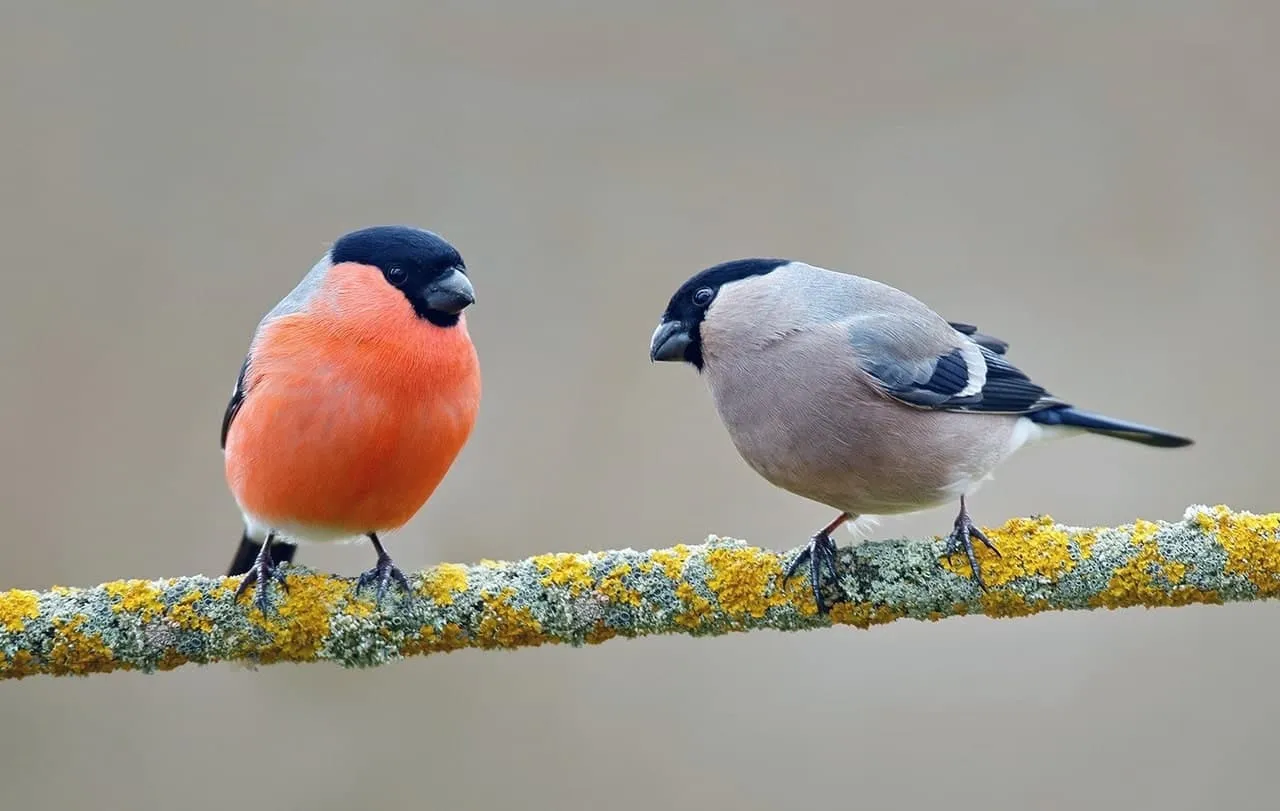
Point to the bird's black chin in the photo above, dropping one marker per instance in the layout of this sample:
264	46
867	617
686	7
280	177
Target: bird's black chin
442	301
671	341
440	319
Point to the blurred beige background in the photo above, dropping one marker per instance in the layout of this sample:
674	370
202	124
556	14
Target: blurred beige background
1096	183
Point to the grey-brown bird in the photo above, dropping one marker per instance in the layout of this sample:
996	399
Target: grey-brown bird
858	396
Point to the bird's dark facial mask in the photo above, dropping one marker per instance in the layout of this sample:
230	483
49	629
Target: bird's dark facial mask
447	295
679	333
428	271
671	341
435	296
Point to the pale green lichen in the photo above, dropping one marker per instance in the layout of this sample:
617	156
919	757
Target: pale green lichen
1212	555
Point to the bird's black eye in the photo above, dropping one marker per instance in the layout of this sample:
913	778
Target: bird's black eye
397	276
703	295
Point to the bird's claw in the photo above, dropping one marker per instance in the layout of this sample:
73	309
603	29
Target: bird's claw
263	572
961	540
821	556
383	572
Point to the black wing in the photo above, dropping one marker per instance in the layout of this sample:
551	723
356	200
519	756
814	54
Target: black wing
233	407
938	383
1007	390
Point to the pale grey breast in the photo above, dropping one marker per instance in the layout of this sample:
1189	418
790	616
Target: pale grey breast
807	419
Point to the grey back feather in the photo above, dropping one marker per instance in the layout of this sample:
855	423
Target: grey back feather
296	301
908	351
302	293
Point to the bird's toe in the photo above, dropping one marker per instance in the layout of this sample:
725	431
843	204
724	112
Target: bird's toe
961	540
383	574
820	554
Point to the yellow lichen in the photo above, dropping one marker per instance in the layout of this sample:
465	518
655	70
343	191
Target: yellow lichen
565	569
672	560
171	660
1034	547
1251	544
600	632
697	606
451	638
22	664
444	581
741	578
797	591
225	588
140	598
614	587
863	615
506	626
1009	604
1135	583
185	616
1085	540
18	606
304	613
75	653
1208	519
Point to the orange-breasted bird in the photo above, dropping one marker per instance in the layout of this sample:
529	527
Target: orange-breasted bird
358	392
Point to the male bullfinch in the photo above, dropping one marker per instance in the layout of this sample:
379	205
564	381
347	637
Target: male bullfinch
358	392
853	394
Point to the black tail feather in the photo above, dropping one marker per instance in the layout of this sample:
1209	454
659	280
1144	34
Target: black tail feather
248	550
1108	426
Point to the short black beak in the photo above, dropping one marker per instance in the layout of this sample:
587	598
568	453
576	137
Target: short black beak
450	294
669	341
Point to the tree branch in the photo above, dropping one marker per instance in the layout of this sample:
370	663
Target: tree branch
1213	555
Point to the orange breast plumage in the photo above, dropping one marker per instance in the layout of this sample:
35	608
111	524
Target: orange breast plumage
346	429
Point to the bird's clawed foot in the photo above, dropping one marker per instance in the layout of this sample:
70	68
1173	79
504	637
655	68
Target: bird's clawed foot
961	540
383	572
821	556
264	571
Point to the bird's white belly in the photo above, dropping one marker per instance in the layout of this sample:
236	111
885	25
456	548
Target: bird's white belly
289	532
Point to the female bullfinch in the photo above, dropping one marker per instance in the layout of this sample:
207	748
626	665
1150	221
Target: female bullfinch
359	390
856	395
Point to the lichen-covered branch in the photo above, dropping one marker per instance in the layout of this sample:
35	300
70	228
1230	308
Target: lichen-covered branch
1213	555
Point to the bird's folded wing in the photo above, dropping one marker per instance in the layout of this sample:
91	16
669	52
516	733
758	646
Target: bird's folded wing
233	406
932	364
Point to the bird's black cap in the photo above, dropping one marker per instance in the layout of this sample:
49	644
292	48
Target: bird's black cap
421	265
384	246
688	305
